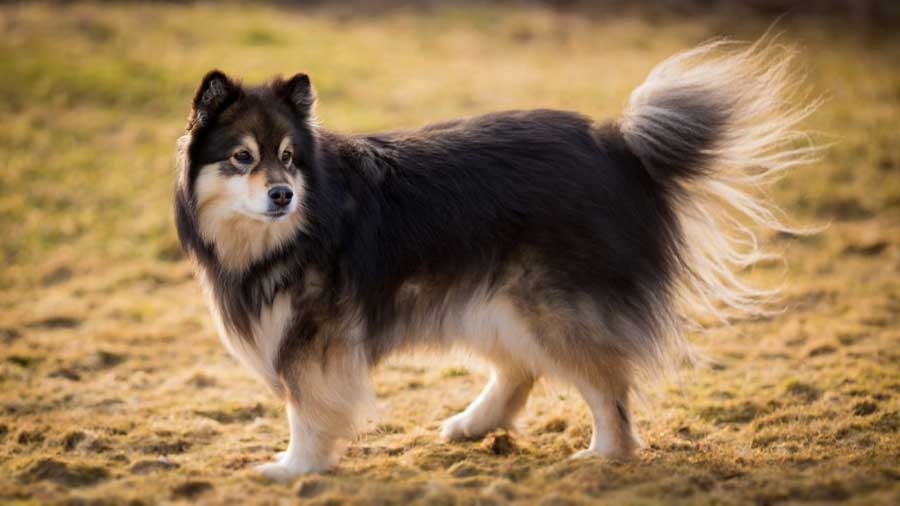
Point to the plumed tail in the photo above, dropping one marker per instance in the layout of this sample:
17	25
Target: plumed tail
713	126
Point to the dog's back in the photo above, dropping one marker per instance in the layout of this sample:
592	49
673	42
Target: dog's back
466	205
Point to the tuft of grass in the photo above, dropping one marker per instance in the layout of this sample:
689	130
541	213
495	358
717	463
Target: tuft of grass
454	372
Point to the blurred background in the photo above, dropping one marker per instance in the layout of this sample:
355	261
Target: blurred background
113	386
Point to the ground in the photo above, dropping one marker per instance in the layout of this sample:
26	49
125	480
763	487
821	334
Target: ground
114	388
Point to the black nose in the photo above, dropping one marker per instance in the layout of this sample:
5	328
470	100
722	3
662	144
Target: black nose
281	195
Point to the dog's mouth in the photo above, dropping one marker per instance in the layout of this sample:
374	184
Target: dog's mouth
270	216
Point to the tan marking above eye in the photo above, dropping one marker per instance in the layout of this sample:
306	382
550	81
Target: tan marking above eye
248	146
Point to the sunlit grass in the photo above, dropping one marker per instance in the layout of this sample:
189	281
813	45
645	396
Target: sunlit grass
109	360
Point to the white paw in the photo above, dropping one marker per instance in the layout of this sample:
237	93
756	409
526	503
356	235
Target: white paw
284	472
617	454
279	456
460	427
587	453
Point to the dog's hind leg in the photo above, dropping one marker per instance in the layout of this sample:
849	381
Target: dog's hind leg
580	351
613	432
501	400
310	449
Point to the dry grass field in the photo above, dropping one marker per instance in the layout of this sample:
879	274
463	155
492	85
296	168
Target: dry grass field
114	388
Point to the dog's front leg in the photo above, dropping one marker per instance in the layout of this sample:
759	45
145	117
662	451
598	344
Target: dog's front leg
324	402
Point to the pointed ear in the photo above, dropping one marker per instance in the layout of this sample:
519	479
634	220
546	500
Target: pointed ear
298	93
215	93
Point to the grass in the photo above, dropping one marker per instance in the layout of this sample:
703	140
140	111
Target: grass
114	388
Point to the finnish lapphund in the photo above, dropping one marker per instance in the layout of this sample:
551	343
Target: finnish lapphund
547	242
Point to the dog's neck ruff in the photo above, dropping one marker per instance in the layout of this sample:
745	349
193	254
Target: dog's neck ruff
240	244
251	317
239	296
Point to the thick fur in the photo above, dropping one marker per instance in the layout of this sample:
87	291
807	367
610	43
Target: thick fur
551	244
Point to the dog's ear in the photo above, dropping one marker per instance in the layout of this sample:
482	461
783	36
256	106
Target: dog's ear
297	92
215	93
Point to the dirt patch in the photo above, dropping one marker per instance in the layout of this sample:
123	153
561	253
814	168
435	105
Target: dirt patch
56	276
64	474
889	422
849	339
55	322
102	360
191	489
234	414
30	437
686	432
311	488
803	391
25	361
818	351
8	335
864	408
151	466
866	249
66	373
166	447
743	412
71	440
202	381
845	209
500	444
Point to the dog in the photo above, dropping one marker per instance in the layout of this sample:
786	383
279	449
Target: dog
549	243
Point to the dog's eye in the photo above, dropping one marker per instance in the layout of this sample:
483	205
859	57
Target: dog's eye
286	157
243	156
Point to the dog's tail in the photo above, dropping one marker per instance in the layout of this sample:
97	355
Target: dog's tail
713	126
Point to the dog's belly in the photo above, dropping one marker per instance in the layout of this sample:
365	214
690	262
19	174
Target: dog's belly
490	326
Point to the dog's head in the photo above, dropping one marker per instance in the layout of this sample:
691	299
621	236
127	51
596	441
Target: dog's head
245	165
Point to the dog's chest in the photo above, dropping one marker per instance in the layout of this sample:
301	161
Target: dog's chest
258	351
